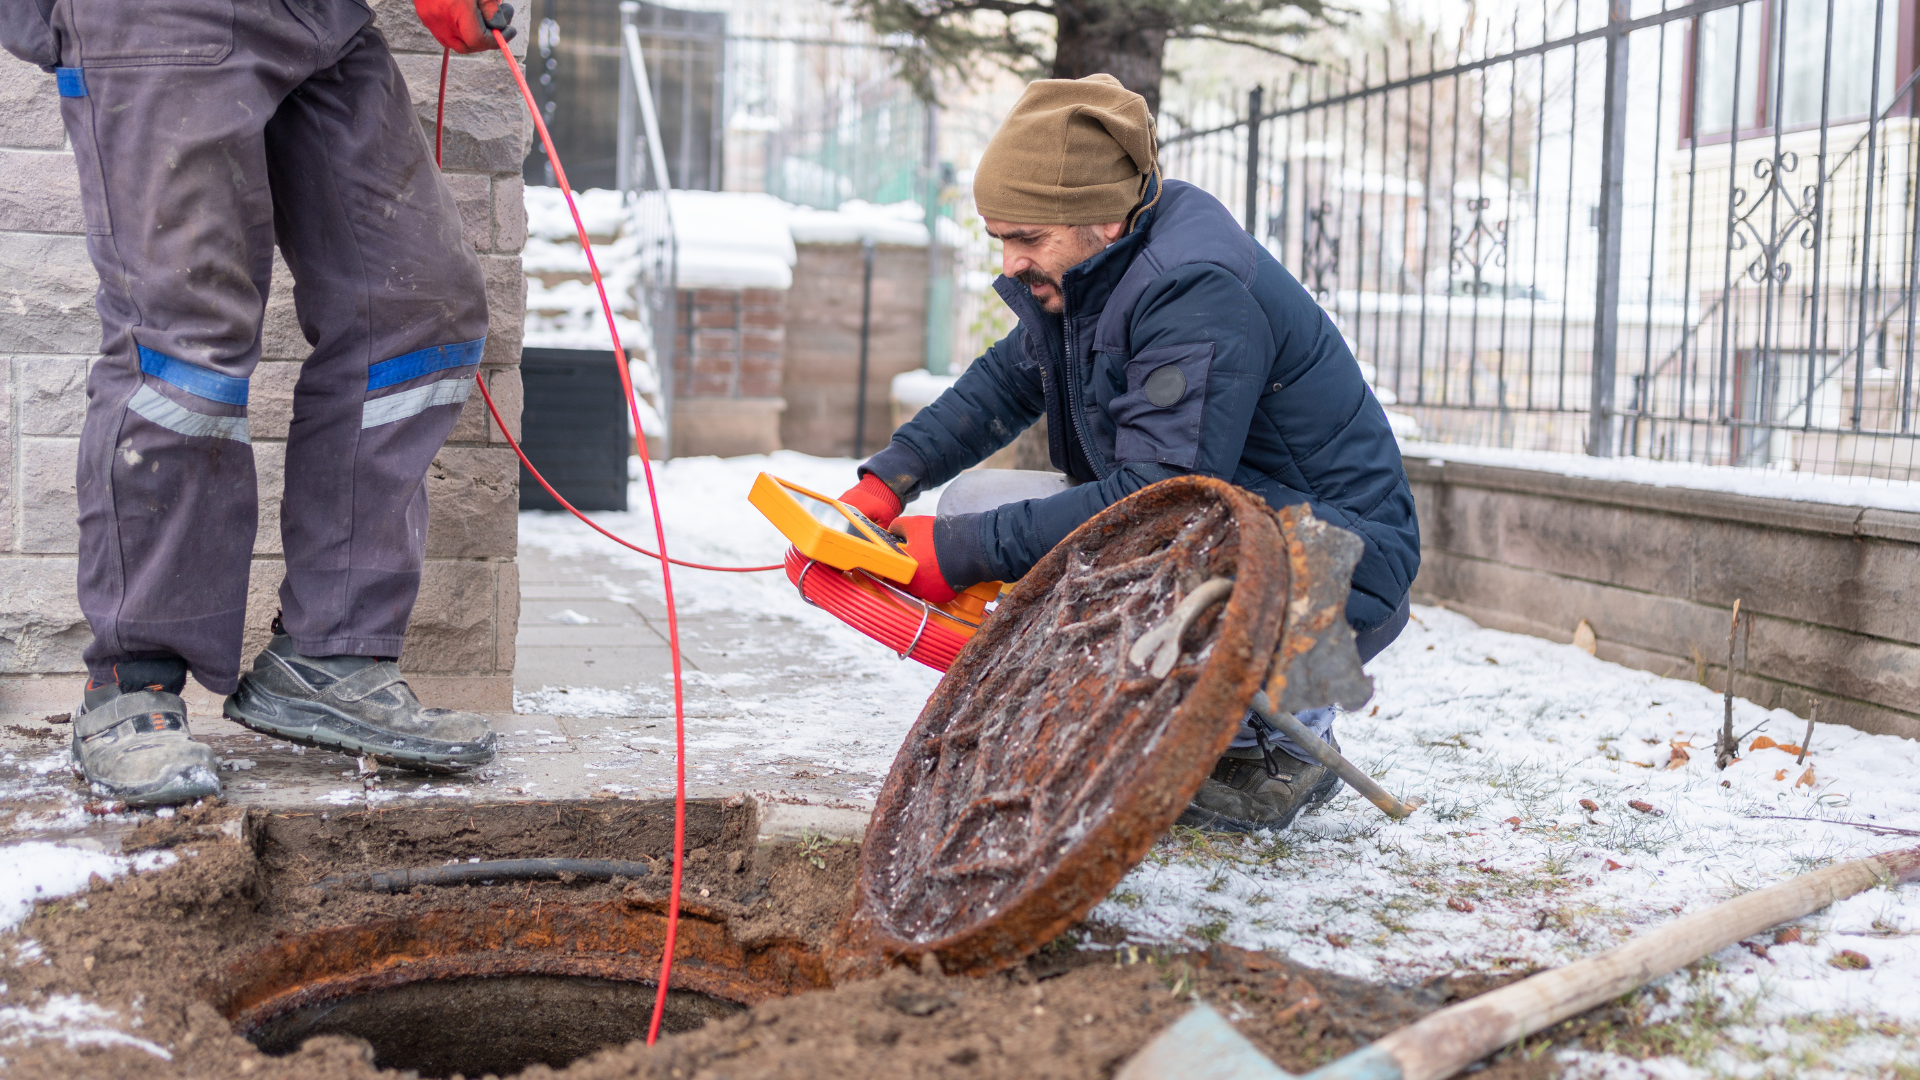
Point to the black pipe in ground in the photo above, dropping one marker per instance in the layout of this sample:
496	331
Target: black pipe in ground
484	873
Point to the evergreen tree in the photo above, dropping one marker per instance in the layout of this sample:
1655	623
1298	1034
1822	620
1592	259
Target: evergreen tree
1123	38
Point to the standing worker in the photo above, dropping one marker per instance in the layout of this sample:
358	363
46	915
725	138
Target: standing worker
1157	338
206	132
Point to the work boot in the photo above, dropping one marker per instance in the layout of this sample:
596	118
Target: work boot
356	705
130	739
1249	791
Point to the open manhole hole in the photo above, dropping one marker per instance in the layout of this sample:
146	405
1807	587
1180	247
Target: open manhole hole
1038	775
492	1025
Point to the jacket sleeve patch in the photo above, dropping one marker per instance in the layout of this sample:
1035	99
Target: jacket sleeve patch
1158	418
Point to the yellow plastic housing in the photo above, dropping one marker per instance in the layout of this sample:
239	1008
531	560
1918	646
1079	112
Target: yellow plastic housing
872	549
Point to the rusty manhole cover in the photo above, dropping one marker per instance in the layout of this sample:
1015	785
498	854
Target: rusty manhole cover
1048	762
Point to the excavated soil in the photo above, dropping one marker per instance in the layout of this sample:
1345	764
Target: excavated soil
154	947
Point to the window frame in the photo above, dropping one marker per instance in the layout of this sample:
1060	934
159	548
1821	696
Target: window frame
1906	53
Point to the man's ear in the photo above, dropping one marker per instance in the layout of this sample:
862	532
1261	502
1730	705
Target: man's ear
1111	230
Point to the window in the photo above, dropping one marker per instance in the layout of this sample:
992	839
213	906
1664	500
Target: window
1738	50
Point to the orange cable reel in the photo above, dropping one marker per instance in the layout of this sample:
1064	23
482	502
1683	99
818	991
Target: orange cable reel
853	569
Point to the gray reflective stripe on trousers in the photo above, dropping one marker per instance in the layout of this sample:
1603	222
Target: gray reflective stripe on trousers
174	416
415	401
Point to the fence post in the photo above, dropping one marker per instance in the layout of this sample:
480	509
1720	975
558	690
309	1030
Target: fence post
1253	159
1606	308
623	152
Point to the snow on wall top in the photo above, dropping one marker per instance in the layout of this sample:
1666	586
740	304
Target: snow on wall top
1766	484
732	240
902	224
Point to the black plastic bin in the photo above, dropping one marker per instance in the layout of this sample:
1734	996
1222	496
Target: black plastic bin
574	429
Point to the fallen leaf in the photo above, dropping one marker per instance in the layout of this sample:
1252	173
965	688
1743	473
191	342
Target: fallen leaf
1491	660
1789	936
1762	743
1459	903
1643	807
1642	764
1788	748
1756	949
1611	865
1781	775
1806	778
1848	960
1339	941
1589	805
1375	712
1584	638
1678	756
1514	821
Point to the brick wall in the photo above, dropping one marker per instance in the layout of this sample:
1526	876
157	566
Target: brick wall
823	343
460	648
731	343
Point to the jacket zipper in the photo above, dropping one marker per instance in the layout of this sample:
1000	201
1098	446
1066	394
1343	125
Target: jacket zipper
1073	388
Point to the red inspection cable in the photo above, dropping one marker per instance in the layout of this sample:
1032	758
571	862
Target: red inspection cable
439	115
653	500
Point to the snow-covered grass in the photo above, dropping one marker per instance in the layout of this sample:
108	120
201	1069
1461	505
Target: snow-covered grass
1505	870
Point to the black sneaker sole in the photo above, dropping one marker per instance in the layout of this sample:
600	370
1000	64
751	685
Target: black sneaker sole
311	724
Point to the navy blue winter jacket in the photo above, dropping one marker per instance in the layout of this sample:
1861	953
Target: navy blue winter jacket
1185	348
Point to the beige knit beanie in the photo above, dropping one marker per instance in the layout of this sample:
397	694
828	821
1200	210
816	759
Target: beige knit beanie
1072	152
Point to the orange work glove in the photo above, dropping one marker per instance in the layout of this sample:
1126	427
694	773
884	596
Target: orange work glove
462	25
927	584
874	498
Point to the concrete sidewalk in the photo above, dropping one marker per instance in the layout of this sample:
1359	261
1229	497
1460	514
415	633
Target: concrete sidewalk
590	639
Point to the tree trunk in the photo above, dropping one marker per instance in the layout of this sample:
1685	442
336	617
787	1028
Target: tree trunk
1118	38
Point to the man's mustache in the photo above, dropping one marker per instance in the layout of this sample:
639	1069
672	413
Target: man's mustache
1033	276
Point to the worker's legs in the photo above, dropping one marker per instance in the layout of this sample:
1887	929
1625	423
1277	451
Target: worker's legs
390	295
978	490
391	298
166	106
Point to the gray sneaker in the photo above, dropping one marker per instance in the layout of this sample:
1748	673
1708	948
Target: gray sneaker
130	739
356	705
1249	791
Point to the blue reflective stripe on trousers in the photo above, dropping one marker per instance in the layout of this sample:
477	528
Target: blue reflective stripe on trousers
193	378
71	81
424	362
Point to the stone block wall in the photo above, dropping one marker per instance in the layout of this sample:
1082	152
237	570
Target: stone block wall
460	648
823	343
1832	591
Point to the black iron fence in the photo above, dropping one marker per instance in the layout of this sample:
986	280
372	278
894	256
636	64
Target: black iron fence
1685	234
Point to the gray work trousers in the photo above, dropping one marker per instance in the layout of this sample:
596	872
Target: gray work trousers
207	131
987	489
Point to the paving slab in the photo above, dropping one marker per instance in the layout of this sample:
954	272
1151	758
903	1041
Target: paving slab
594	641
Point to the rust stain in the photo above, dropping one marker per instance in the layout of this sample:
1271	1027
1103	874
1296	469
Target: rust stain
610	940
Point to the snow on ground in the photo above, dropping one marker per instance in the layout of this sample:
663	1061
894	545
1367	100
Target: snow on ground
74	1021
37	870
857	701
1502	869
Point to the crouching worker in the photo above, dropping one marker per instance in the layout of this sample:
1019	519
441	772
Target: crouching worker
1156	338
206	133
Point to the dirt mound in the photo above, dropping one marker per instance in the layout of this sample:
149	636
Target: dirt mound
161	950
